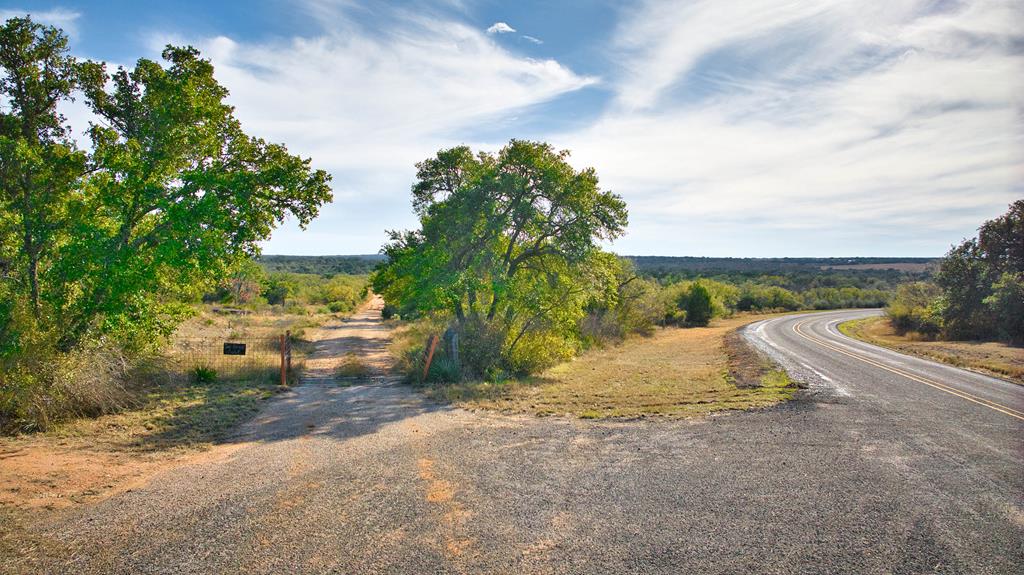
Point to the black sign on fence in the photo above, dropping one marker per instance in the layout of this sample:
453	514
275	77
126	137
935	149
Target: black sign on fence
234	348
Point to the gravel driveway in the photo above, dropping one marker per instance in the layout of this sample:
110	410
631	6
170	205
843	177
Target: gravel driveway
374	479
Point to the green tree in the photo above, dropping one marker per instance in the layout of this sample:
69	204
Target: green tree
180	193
699	307
1007	306
510	240
171	198
973	271
916	307
40	166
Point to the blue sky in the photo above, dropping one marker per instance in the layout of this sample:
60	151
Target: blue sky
731	127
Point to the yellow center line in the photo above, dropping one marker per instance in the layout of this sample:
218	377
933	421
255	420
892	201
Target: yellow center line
940	386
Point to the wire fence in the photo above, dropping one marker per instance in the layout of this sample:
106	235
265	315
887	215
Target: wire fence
235	358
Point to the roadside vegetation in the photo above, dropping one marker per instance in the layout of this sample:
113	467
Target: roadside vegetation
971	312
992	357
674	372
106	249
505	284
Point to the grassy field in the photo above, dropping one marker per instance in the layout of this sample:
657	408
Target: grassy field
676	372
994	358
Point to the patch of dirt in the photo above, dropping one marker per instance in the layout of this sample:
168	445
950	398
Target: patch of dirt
39	474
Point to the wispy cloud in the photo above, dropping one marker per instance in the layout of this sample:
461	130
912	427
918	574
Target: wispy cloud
367	104
500	28
67	20
532	40
825	123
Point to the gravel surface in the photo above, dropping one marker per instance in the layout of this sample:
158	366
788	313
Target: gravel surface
866	472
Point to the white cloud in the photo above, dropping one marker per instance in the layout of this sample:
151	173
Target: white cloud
66	20
533	40
367	104
500	28
888	122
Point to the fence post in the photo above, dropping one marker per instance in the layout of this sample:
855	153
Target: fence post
430	356
288	349
284	372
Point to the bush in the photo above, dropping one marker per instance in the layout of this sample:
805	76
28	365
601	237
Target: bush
444	370
43	387
389	311
340	307
917	307
699	309
204	374
537	351
480	347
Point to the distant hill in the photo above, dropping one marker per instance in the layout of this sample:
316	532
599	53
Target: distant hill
664	265
322	265
888	269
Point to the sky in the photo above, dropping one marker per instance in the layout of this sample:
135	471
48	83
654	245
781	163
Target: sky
743	128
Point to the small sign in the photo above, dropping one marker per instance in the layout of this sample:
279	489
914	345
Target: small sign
234	348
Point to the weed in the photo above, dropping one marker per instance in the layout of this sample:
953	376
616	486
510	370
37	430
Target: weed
203	374
352	366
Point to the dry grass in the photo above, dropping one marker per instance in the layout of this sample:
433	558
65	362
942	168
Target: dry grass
998	359
352	366
675	372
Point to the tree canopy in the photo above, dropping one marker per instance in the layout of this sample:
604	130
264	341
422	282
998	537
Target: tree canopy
509	240
983	281
170	196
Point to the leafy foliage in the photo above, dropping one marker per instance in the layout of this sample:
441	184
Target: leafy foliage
980	279
917	307
698	305
172	197
509	241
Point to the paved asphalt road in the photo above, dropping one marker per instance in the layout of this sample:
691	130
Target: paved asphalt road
885	465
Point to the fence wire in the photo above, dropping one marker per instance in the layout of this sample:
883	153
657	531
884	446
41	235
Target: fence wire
261	357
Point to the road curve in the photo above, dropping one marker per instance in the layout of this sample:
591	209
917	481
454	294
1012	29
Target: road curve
956	402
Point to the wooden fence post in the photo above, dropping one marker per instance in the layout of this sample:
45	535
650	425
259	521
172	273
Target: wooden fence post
288	349
284	372
430	356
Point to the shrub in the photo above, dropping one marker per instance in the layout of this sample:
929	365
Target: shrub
352	366
699	309
43	387
480	347
444	370
204	374
340	307
916	307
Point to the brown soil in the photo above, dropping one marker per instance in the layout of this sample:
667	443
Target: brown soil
41	473
53	472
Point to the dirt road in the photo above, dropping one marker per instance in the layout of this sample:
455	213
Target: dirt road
371	478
